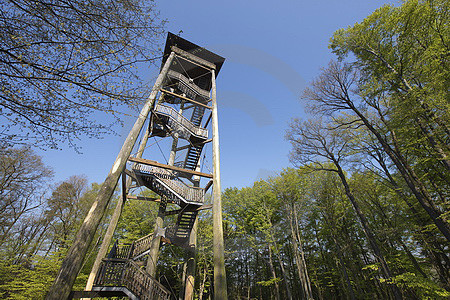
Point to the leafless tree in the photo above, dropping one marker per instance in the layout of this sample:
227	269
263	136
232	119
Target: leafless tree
62	62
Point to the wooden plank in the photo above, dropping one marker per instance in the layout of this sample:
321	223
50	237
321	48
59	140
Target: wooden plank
189	107
193	58
185	98
173	168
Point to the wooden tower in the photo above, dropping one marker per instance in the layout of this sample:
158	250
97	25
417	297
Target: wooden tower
181	107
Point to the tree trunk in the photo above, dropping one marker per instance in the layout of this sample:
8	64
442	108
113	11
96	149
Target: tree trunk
411	179
344	269
274	275
156	240
283	272
307	282
367	231
202	285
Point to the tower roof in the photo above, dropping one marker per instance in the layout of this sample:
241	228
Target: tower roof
174	40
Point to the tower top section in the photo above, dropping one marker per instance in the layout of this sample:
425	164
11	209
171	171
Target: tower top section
193	61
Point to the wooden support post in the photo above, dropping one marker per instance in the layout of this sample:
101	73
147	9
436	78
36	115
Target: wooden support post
220	278
73	261
191	263
114	219
156	240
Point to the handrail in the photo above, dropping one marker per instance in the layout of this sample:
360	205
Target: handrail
141	245
121	272
180	119
132	250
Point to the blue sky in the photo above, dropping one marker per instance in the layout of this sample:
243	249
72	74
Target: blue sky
272	50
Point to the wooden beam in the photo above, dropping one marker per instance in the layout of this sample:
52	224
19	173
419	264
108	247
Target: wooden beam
207	120
173	212
185	98
193	58
96	294
131	174
208	185
131	197
157	164
196	144
203	207
177	211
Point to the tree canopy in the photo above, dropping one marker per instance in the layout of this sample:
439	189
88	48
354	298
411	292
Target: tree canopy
61	62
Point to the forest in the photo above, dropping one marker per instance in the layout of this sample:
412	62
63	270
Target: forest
363	212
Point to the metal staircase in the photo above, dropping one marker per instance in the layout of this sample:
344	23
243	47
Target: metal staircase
195	148
121	273
166	120
197	115
127	277
166	183
178	234
192	157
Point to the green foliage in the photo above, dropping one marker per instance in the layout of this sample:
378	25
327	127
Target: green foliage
269	282
137	220
42	226
28	283
401	54
424	288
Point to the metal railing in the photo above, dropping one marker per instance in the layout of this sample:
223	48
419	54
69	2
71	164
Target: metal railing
141	245
188	193
120	251
132	250
126	273
182	120
188	87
